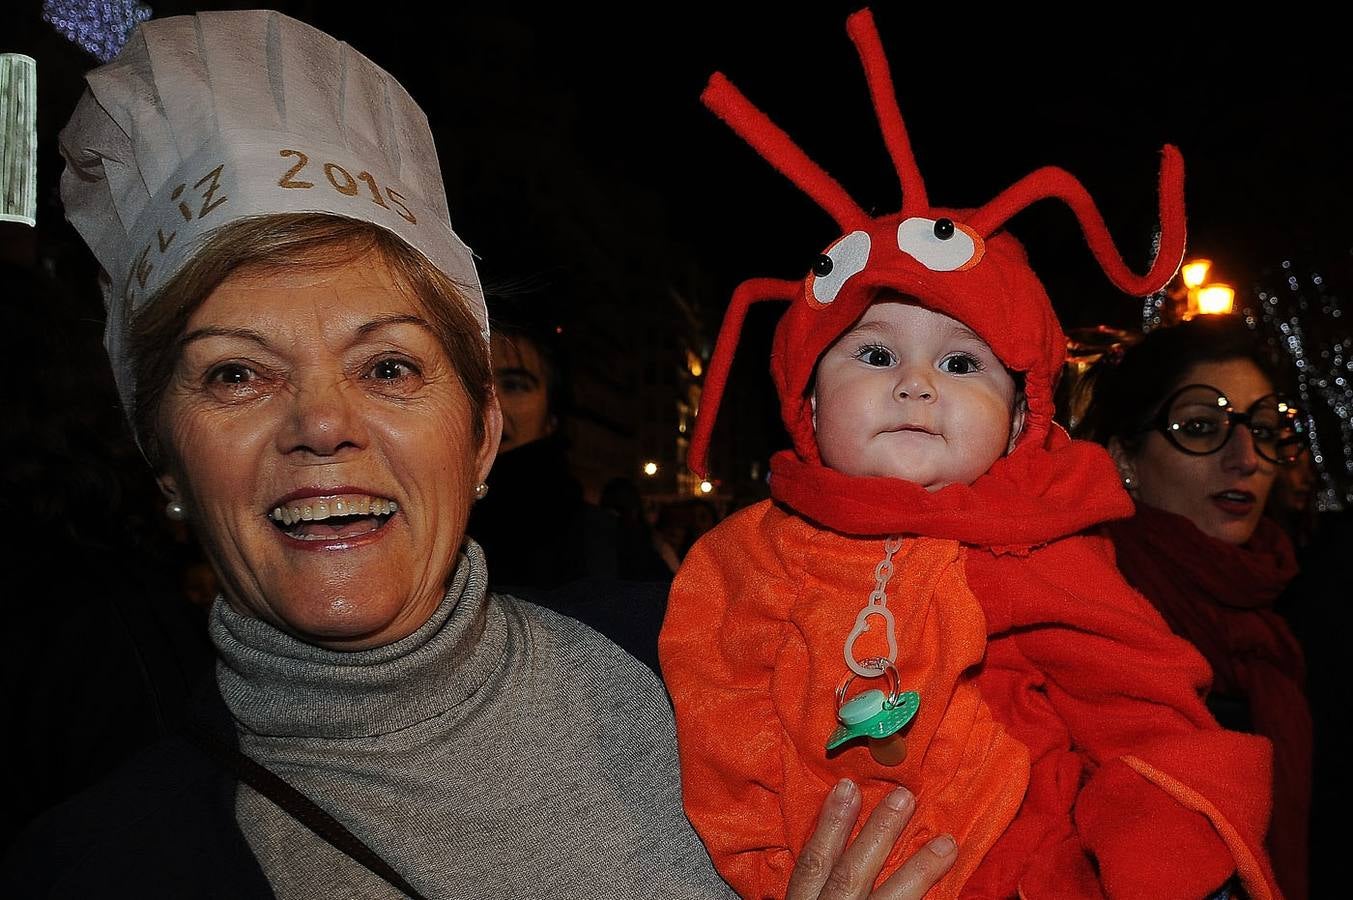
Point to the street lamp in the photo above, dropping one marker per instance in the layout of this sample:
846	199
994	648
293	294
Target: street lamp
1215	299
1196	296
1194	272
650	468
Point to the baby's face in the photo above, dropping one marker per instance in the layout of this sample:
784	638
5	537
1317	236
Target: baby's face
913	394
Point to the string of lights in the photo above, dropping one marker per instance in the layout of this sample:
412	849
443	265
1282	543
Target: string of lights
100	27
1306	321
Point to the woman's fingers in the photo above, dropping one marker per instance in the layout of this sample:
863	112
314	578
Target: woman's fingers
853	875
819	855
920	873
829	870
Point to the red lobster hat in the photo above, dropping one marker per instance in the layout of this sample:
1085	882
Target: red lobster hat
952	261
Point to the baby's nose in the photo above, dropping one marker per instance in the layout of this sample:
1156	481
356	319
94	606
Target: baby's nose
916	384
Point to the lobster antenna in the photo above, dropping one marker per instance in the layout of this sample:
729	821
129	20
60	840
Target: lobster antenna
778	149
1058	184
755	290
864	33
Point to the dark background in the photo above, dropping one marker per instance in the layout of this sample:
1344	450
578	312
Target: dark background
579	161
561	116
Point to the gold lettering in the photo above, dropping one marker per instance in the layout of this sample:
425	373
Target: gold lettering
396	197
143	267
288	180
375	188
348	188
184	209
214	176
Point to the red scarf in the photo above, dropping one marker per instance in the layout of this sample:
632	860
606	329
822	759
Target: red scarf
1220	598
1035	495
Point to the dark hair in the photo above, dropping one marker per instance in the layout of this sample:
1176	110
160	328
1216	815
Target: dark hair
1128	391
321	241
523	317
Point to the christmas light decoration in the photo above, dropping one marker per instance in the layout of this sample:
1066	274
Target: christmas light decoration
1307	322
101	27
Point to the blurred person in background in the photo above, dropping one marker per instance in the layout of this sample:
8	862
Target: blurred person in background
1194	420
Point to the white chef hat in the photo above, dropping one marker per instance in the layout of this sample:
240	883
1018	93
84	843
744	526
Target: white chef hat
205	119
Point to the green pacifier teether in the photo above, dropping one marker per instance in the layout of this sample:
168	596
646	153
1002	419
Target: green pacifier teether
873	713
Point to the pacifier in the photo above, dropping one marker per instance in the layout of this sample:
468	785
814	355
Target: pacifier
876	715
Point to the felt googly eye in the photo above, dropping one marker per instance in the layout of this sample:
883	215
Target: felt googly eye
844	259
941	245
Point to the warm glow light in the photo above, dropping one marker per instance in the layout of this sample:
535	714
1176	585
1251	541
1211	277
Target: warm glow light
1216	299
706	487
697	370
650	468
1195	272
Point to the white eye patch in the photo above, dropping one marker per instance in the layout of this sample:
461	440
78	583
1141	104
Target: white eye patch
843	260
941	245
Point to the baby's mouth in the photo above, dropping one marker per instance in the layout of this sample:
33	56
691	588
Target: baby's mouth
327	518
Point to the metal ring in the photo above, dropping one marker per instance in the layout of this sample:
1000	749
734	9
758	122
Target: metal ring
885	667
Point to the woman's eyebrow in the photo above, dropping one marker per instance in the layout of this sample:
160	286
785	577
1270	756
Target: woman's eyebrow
380	322
209	331
517	372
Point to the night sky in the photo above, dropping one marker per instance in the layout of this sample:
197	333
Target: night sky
1261	115
575	146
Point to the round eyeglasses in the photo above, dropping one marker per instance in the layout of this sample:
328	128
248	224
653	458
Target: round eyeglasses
1198	419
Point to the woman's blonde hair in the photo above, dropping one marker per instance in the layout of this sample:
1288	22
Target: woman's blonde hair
269	241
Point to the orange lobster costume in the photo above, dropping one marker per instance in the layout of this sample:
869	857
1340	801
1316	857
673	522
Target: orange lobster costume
1060	735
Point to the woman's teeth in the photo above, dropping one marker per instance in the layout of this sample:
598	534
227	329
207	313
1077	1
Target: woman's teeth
319	510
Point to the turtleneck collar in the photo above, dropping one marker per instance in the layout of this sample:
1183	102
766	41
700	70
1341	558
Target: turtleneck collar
279	686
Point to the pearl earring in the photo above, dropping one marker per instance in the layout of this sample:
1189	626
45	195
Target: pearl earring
175	511
481	490
1127	482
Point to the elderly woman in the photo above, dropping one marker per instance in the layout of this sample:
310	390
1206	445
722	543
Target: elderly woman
300	341
1192	417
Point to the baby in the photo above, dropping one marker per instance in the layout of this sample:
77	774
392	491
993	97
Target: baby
921	604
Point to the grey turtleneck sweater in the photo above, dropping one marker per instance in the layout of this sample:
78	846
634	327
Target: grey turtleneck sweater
498	751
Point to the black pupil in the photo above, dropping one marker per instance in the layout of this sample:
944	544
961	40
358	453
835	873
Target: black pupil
823	266
944	229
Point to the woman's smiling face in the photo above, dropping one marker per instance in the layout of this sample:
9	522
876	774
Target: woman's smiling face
325	450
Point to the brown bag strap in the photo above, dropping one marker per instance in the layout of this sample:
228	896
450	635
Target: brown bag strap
298	805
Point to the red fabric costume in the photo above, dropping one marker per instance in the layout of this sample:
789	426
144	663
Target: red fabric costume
1061	736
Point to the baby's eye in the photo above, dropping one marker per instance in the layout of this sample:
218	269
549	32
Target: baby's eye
874	355
960	364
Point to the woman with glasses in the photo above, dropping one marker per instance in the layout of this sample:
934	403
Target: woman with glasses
1199	430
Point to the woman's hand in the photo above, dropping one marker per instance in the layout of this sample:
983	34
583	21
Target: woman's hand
824	872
